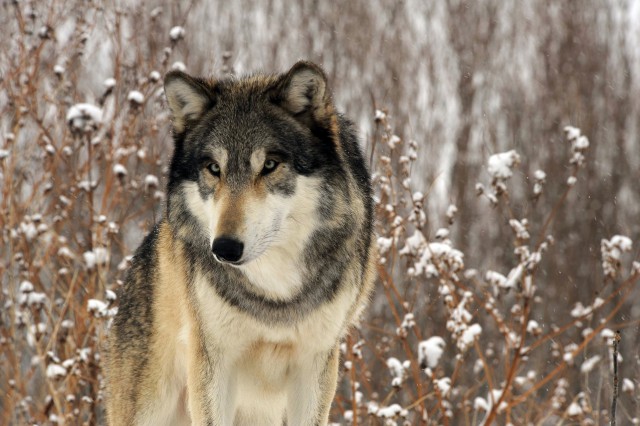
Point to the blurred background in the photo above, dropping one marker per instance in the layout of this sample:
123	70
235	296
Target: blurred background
460	80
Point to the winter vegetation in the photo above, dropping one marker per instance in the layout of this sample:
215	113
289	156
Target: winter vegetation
504	143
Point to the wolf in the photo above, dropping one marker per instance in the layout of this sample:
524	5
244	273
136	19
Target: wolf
235	304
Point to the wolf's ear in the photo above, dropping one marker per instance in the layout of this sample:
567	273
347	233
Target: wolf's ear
303	92
188	97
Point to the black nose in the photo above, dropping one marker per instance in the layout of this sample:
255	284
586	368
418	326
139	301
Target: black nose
227	249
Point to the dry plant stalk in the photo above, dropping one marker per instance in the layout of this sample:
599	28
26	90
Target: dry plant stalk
616	385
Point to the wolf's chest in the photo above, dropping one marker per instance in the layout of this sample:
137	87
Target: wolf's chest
266	365
237	332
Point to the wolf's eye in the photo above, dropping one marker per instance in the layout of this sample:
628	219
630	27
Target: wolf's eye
214	168
269	166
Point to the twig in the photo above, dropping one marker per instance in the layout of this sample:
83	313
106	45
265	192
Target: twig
616	340
352	376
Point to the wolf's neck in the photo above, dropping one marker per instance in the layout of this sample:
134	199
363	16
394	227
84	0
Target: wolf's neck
277	274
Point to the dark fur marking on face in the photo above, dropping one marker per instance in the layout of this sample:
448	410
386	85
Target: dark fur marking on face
285	187
205	191
281	182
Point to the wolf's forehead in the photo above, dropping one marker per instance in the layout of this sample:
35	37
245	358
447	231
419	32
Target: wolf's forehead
240	136
246	85
243	92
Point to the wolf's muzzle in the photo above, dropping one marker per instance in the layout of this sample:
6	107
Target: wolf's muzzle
227	249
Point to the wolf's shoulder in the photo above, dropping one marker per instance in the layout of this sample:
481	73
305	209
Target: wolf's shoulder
137	294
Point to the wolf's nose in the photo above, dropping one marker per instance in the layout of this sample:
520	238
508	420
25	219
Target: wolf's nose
227	249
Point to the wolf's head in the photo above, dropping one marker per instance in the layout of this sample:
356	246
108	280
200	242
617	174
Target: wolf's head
252	156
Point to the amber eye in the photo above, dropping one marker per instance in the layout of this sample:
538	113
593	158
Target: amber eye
214	168
269	166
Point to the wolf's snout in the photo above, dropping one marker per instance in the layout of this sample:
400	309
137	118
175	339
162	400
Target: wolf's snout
227	249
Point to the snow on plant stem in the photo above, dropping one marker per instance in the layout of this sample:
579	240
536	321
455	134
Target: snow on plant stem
135	97
84	117
176	33
500	166
430	351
